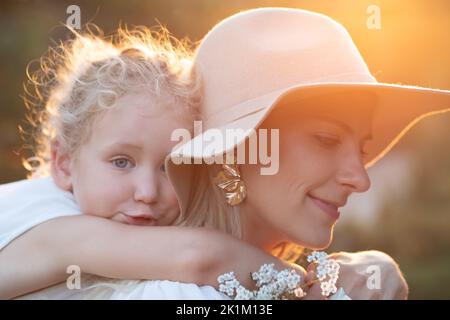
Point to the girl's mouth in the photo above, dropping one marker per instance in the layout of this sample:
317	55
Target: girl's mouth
138	219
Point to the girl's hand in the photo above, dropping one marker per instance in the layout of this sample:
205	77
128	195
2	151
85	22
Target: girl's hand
222	253
313	291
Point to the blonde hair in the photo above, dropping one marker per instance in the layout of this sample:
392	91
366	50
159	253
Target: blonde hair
83	77
206	207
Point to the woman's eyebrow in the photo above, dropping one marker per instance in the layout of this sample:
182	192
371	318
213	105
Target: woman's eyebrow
343	125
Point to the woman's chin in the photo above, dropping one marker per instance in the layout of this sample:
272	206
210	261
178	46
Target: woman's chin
319	241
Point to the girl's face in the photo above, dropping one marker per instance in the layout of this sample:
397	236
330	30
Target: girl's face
321	163
119	173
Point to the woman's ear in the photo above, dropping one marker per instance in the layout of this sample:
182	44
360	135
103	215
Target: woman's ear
61	166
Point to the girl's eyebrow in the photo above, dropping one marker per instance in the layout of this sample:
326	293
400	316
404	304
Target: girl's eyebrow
122	145
343	125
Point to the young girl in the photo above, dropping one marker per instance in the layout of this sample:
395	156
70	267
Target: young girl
102	133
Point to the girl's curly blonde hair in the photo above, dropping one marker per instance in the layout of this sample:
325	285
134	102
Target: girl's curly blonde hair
82	77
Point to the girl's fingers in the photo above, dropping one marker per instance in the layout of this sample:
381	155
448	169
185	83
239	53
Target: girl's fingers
309	278
310	274
314	293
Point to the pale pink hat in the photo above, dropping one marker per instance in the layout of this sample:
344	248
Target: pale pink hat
253	59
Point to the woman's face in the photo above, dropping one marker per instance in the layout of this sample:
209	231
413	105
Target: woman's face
321	163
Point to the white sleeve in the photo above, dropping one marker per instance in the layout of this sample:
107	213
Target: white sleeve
98	288
27	203
112	289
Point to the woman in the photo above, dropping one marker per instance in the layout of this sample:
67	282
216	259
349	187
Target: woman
298	72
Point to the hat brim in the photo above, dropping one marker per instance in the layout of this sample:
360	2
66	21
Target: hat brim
398	109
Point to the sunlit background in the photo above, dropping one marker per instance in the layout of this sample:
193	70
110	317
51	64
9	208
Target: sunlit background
407	211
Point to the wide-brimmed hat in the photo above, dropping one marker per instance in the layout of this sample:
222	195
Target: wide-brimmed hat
252	60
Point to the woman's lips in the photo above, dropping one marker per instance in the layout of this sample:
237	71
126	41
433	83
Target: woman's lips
328	208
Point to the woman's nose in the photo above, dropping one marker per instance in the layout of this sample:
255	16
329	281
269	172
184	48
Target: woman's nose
353	174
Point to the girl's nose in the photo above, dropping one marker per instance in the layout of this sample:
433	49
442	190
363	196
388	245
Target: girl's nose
146	189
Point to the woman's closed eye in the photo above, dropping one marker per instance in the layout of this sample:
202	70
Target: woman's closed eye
327	141
364	154
330	142
122	163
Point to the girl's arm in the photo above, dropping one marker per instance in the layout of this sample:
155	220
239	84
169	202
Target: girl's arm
40	257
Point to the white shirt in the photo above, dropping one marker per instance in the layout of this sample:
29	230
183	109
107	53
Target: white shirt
25	204
97	288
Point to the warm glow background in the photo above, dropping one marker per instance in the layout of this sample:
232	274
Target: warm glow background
407	211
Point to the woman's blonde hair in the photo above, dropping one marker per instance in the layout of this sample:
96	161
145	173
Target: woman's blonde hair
82	77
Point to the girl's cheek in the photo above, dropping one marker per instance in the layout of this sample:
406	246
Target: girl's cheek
171	197
117	191
171	200
88	205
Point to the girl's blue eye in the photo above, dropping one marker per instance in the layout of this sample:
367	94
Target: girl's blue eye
122	163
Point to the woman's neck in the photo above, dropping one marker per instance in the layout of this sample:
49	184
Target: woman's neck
259	233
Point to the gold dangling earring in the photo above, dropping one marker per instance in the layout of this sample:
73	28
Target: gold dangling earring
229	181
